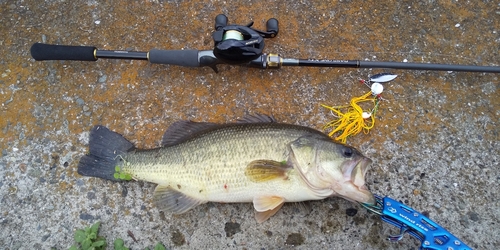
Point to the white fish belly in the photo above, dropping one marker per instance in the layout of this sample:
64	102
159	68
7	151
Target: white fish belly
224	182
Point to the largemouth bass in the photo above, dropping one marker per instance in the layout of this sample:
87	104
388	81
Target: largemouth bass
254	160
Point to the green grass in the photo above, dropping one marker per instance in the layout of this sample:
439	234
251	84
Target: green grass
89	239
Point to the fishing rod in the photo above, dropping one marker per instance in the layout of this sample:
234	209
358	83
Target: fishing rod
233	45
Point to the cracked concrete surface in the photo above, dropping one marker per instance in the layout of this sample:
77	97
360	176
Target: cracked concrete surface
435	145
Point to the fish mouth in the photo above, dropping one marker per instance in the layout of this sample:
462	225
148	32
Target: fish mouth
354	176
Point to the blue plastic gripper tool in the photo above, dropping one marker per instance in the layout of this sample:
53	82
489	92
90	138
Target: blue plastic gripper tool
431	235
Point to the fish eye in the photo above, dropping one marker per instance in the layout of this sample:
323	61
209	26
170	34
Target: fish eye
347	152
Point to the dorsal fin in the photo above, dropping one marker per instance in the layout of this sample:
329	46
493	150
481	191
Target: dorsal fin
257	118
183	130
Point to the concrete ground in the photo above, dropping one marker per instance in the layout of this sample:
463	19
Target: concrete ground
435	145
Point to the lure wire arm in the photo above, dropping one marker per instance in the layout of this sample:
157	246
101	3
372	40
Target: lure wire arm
429	233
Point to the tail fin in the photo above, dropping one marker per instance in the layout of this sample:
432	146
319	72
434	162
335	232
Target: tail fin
105	149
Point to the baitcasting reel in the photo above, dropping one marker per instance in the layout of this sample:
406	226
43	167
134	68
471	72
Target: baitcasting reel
237	44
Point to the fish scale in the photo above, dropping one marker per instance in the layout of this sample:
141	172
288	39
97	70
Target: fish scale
256	160
192	164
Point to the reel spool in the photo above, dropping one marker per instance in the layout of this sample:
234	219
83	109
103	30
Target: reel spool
237	44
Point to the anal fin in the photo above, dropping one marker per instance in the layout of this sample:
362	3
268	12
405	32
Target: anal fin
267	206
169	199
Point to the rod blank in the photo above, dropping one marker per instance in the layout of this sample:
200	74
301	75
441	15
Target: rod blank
200	58
429	66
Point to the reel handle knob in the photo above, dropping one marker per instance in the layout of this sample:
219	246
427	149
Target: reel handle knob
272	27
220	21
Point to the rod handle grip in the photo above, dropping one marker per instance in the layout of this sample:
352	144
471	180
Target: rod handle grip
187	58
43	52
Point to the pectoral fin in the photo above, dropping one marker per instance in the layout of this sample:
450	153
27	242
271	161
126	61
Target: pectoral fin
266	207
169	199
265	170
